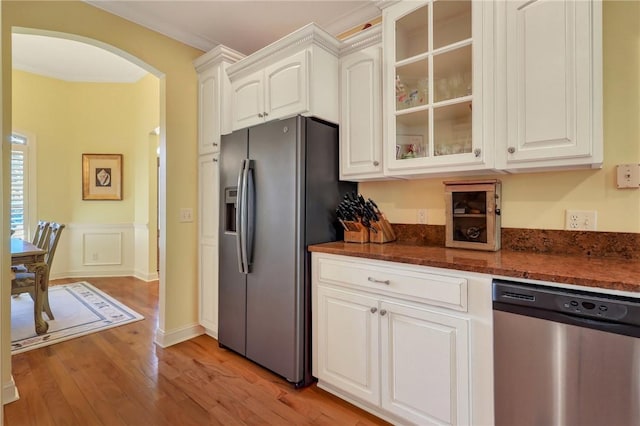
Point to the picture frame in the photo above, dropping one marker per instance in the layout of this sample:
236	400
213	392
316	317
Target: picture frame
102	176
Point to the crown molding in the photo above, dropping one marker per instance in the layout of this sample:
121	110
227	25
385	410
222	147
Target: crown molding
215	56
363	39
365	13
308	35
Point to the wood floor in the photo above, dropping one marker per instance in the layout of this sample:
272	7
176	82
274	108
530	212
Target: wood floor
119	377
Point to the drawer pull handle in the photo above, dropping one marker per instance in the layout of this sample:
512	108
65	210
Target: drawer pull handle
383	312
374	310
373	280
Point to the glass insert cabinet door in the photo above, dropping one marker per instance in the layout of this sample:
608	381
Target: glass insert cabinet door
472	211
429	51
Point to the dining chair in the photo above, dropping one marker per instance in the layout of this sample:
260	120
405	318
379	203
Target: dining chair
24	282
39	240
41	233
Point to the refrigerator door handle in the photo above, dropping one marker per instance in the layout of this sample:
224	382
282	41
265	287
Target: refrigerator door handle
250	197
244	216
239	225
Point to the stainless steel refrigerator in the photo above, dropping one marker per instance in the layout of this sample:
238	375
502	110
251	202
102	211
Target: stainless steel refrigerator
279	190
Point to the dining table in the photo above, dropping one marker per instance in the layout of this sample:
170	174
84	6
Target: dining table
33	258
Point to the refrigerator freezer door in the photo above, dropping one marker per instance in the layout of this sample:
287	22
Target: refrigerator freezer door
273	294
232	283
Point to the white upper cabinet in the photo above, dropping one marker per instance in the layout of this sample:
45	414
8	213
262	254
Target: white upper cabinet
213	94
361	106
248	101
297	74
550	55
438	87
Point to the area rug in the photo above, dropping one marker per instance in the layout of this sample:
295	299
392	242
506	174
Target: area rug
79	308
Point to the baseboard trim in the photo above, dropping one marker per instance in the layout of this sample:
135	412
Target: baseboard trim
165	339
99	274
9	392
146	277
211	333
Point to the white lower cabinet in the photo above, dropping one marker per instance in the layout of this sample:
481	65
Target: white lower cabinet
406	361
208	186
424	361
348	340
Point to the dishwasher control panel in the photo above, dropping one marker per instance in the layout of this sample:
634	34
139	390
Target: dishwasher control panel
592	307
568	302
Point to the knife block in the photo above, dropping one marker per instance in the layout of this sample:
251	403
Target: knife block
360	236
385	232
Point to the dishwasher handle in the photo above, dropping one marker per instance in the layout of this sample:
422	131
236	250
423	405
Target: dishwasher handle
575	320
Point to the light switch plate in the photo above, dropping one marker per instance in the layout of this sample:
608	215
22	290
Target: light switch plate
186	215
628	176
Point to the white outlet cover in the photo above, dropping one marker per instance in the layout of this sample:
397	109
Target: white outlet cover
422	216
581	220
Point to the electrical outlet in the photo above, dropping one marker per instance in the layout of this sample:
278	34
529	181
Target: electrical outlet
580	220
422	216
186	215
628	175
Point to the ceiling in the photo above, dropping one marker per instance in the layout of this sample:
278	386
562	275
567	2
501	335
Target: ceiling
245	26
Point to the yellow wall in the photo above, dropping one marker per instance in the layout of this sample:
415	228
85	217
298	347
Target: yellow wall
178	120
4	224
539	200
69	119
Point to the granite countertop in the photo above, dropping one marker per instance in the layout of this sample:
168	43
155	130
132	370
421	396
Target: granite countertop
601	272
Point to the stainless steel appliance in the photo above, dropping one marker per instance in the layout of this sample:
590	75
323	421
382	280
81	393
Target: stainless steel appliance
280	188
565	357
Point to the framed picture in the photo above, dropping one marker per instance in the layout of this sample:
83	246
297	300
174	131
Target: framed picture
102	176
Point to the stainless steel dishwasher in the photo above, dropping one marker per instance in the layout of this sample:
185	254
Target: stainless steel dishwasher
565	357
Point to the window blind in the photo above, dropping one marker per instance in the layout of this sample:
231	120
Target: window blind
18	185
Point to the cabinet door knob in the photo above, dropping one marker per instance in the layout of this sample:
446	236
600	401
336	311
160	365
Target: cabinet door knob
477	152
215	160
260	115
266	113
511	150
376	163
374	310
373	280
215	144
383	312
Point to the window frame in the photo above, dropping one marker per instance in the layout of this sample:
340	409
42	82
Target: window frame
30	198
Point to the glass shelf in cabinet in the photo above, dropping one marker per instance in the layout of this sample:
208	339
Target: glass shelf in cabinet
412	134
451	22
452	131
412	33
412	83
452	74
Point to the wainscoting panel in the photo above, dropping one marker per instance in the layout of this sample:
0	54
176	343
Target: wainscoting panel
102	250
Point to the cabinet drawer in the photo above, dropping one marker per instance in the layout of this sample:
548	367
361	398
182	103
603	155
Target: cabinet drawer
408	282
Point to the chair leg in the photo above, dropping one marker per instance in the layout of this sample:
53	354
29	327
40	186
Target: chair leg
45	305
